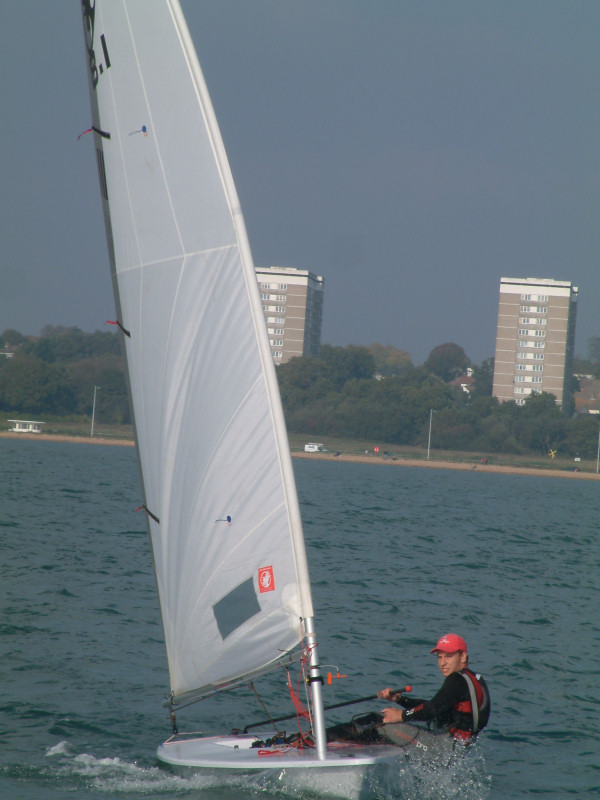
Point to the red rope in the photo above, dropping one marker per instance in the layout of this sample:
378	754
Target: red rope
301	710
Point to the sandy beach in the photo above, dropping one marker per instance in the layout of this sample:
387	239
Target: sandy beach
433	463
457	465
48	437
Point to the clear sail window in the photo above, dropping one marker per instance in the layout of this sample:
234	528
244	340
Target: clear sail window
237	607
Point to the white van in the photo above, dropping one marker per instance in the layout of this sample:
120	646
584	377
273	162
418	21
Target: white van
313	447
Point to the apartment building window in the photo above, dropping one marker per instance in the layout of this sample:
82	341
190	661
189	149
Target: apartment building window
539	333
539	344
277	343
540	309
537	367
536	379
283	286
540	298
520	366
525	309
522	331
538	356
277	353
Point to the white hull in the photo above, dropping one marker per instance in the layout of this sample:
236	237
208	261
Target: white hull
351	771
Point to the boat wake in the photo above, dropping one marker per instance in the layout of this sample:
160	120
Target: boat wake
112	775
464	777
407	779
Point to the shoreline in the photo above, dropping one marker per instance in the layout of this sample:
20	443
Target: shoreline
471	466
62	437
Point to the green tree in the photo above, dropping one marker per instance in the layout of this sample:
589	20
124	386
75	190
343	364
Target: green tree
389	360
447	361
582	435
30	386
108	373
484	379
542	404
59	345
11	338
347	363
302	381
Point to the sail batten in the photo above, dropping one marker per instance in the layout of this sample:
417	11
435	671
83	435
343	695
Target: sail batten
228	552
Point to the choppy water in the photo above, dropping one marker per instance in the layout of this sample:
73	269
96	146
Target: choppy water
398	556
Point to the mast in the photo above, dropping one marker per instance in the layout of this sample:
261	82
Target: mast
316	682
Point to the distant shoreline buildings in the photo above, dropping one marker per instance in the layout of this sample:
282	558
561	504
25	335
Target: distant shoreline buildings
535	338
292	302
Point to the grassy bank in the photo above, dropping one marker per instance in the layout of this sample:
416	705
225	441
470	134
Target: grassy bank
74	429
352	447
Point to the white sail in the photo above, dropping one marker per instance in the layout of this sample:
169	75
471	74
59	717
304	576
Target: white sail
218	485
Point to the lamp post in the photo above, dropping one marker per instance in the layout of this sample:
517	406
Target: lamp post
94	409
431	413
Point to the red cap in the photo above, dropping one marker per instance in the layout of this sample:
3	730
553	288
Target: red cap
450	643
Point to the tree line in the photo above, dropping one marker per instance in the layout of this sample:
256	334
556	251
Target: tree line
336	395
374	393
54	375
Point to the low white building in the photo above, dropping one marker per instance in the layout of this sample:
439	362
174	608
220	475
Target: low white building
26	426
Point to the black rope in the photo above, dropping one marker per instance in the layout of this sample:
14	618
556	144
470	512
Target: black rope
265	709
150	514
116	322
104	134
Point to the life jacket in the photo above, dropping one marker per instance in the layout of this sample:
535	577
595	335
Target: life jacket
478	706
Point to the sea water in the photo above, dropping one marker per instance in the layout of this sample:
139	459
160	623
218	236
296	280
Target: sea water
398	556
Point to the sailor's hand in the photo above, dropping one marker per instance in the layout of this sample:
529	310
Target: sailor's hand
390	694
392	715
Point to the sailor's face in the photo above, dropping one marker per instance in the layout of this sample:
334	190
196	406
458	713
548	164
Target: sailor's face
451	662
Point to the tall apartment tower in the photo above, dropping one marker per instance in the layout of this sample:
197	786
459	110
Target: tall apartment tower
293	304
535	338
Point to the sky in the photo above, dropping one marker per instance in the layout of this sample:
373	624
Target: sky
411	153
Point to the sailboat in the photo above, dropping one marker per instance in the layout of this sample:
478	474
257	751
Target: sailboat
218	487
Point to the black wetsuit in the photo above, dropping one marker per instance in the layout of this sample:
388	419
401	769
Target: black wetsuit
450	709
448	712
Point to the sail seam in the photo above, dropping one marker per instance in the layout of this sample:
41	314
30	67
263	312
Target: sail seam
185	256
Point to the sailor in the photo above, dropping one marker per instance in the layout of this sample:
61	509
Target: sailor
461	707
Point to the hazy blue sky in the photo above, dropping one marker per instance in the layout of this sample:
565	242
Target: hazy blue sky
410	152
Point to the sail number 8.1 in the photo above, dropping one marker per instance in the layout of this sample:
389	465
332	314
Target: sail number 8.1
96	69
